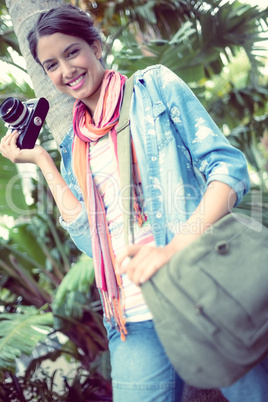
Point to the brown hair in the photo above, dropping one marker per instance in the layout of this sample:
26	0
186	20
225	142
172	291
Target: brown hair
65	19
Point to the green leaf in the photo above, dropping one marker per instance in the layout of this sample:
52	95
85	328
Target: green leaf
12	199
20	333
73	291
24	240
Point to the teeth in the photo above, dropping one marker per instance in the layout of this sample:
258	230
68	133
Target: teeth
72	84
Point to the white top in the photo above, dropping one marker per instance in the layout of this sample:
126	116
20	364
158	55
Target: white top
105	174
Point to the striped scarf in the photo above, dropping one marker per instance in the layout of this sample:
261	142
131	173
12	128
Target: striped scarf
106	117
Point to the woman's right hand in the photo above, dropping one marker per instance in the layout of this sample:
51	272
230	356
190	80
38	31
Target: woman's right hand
10	150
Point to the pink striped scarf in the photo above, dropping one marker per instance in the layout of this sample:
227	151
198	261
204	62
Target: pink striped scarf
106	118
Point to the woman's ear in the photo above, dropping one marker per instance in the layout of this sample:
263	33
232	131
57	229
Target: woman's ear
97	49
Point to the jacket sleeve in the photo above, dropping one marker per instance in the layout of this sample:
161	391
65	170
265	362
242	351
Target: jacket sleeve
210	151
79	229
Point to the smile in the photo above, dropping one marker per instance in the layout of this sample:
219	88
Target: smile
77	81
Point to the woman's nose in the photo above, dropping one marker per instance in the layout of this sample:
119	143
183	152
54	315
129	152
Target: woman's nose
68	71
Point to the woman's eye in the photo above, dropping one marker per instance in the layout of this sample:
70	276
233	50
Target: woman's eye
72	53
51	66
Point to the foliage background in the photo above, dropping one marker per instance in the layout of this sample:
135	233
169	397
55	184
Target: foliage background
46	285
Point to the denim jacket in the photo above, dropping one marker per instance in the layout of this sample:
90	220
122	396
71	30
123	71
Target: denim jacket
180	150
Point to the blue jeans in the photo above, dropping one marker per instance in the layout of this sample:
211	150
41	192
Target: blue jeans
252	387
141	371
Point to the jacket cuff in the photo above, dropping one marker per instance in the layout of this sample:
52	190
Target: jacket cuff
77	227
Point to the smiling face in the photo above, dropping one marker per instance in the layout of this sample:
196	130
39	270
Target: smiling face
73	66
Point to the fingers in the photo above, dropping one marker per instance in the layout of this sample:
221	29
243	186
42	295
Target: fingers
145	261
10	138
8	145
128	251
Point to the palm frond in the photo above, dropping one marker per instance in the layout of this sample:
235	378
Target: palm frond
73	291
20	333
194	47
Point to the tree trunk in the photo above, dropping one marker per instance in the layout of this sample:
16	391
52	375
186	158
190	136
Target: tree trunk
24	14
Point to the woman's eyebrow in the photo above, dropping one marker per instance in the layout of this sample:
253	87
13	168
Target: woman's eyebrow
69	47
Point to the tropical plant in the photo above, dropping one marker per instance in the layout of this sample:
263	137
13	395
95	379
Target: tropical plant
29	320
7	37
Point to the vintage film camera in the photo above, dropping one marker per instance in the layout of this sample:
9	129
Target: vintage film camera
26	117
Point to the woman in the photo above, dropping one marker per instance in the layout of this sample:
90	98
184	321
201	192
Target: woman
186	177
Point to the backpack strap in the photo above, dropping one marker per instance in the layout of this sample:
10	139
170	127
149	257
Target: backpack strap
125	157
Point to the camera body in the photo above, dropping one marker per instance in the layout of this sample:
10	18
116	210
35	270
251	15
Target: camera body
26	117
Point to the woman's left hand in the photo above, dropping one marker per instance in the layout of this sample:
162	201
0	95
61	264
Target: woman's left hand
141	262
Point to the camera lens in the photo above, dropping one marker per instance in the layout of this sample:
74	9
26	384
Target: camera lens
13	112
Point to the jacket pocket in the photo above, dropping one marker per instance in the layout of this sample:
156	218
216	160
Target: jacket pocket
163	127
